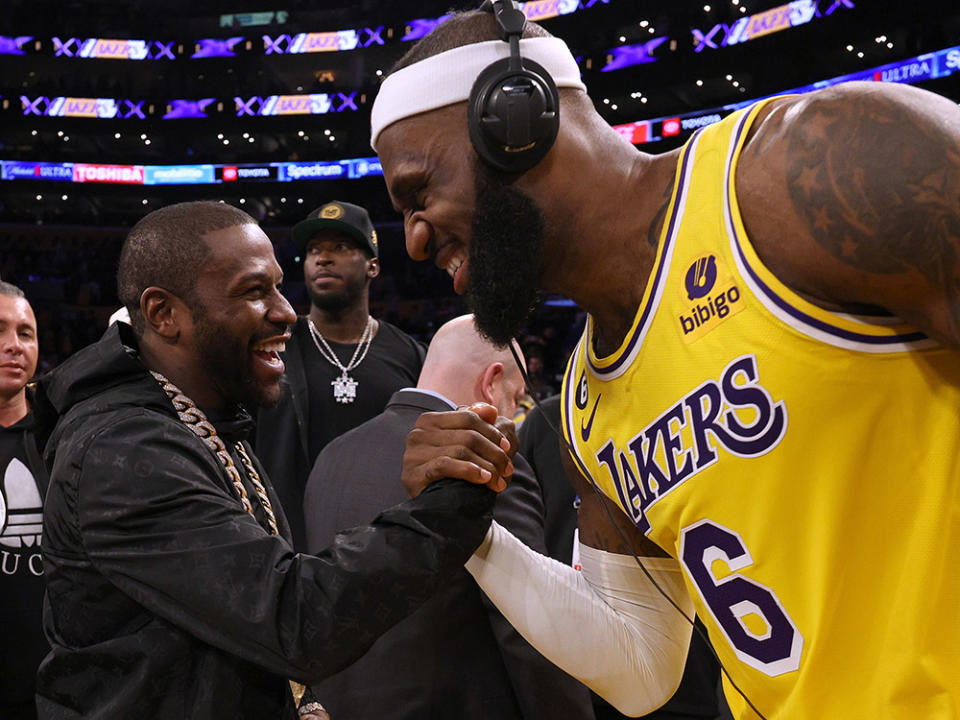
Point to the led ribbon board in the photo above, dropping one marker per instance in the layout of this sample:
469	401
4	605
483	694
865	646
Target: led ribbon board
14	45
74	107
215	47
929	66
535	10
312	104
783	17
314	42
179	109
104	48
629	55
19	170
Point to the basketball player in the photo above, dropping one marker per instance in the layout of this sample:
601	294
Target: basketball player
766	391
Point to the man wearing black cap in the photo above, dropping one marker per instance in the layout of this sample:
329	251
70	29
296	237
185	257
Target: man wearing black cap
342	365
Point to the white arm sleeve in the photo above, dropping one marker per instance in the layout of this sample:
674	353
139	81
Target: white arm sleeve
607	626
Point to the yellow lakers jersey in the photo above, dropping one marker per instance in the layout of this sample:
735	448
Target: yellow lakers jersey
802	465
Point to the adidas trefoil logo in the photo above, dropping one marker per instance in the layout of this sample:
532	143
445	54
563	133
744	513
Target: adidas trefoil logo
21	509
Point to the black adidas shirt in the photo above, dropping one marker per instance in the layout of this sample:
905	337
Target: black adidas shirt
23	645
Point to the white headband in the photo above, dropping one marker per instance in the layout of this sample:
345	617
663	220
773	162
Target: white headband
448	77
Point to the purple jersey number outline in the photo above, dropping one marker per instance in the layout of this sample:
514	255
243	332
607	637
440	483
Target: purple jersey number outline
733	597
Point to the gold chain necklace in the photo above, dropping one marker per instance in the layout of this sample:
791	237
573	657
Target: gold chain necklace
194	418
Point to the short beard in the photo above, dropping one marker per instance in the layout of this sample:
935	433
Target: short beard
229	362
336	302
505	257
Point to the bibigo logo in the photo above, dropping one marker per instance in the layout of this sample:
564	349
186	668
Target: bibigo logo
714	294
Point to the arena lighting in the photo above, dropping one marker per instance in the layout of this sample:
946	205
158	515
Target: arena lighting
330	41
14	45
782	17
104	108
535	10
105	48
629	55
215	47
312	104
924	67
327	41
929	66
180	108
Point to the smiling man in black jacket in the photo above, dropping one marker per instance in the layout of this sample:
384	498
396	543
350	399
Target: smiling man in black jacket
173	590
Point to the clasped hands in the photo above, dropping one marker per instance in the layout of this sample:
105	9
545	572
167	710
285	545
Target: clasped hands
472	444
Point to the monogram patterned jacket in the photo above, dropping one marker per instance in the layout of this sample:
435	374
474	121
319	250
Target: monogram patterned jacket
166	599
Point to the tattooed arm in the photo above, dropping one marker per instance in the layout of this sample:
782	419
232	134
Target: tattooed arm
851	196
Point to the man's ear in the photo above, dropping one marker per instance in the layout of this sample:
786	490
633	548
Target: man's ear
491	384
164	313
373	268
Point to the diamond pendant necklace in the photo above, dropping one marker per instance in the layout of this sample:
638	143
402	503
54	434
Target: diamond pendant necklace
344	386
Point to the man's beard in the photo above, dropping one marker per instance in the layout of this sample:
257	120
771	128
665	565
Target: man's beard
229	361
336	301
504	258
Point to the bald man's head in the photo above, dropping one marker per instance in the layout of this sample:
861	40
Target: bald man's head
465	368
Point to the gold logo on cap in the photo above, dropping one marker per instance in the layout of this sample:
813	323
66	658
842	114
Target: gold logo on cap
373	238
331	212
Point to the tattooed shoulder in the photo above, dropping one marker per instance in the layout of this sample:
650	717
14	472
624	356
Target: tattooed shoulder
877	181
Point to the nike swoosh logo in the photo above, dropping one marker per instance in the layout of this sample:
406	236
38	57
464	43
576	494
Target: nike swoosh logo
585	430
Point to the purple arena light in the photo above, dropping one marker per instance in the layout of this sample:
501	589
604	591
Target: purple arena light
161	50
14	45
271	46
347	102
216	47
627	55
64	47
132	109
837	4
372	36
419	28
180	109
33	107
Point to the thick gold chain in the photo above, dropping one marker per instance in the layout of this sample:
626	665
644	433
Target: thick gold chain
194	418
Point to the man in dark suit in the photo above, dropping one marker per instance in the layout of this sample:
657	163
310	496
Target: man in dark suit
456	657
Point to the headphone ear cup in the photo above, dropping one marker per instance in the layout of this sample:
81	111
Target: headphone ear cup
513	115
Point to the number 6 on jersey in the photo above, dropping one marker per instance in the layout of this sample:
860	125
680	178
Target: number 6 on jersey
775	650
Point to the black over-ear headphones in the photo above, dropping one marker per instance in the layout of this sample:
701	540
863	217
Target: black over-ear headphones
514	108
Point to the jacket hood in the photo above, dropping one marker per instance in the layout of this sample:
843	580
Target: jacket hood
108	375
112	363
